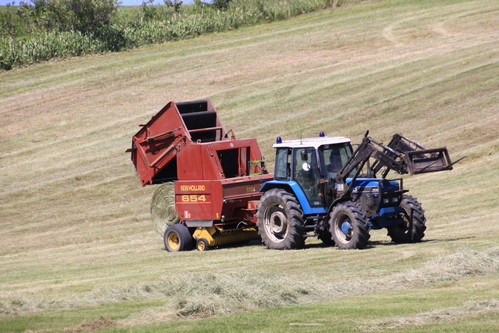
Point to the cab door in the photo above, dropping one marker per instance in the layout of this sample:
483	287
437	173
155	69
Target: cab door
305	169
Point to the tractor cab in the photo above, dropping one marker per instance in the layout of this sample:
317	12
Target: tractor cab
310	160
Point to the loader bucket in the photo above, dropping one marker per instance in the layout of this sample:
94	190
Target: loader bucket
428	160
419	159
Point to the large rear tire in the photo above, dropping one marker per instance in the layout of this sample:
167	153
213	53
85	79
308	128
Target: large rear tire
412	230
163	212
178	238
348	226
280	221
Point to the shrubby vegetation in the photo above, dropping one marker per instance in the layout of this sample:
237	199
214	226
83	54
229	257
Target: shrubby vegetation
45	29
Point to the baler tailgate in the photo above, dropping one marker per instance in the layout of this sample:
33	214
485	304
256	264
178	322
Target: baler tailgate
156	145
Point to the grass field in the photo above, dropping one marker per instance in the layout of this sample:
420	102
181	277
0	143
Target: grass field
78	251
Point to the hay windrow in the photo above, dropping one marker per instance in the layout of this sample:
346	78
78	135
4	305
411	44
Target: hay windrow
163	212
451	267
469	309
218	293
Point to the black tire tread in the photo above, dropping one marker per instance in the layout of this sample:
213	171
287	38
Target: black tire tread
186	240
326	237
359	220
398	235
295	239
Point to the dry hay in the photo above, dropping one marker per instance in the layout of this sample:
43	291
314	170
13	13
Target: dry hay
451	267
449	314
101	323
220	293
207	294
163	212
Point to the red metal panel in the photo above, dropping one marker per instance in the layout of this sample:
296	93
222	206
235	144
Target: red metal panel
217	178
198	200
218	199
157	142
238	193
162	139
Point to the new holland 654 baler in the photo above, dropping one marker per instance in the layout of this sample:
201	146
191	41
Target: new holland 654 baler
321	187
217	177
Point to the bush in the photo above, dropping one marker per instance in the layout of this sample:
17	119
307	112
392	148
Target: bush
15	52
81	15
89	26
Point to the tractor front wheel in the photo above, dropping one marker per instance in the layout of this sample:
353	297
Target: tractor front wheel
280	220
413	227
348	226
326	237
178	238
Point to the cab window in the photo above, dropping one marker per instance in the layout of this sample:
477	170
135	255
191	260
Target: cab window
306	173
282	166
334	157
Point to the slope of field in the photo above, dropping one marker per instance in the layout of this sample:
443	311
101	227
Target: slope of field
77	248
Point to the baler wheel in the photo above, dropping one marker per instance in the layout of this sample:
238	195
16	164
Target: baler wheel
280	220
202	245
178	238
348	225
412	231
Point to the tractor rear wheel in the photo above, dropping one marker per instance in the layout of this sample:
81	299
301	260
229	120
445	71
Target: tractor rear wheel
280	220
178	238
348	226
413	228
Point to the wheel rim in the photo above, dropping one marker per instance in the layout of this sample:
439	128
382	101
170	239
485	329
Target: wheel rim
173	241
201	246
344	229
276	223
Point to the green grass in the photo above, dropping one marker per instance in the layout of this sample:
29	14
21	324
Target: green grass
411	311
77	243
54	320
27	39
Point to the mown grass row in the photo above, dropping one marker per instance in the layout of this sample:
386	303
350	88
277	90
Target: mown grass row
20	51
205	294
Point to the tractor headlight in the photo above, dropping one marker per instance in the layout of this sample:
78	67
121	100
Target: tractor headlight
386	200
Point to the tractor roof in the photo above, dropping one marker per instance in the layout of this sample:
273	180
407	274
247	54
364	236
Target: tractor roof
311	142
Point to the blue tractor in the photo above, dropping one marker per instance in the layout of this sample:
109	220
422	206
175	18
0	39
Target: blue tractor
323	188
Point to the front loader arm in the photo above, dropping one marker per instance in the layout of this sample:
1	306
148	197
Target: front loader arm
402	155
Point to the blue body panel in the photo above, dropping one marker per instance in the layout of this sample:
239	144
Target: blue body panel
297	190
386	185
385	217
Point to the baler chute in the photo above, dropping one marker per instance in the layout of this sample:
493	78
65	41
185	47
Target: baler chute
156	145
